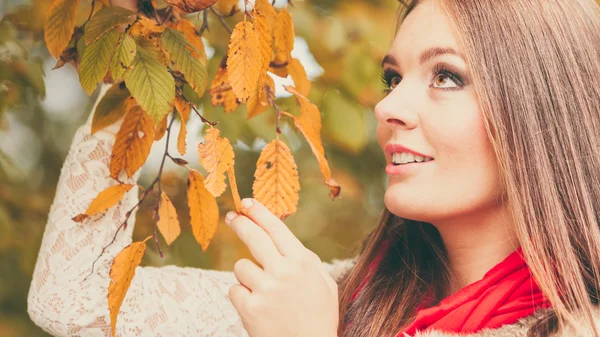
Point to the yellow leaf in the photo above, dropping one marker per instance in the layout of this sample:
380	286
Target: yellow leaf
160	129
184	112
309	124
221	93
264	41
167	221
301	82
189	30
259	102
276	183
279	66
106	19
234	190
204	211
243	60
108	198
132	143
226	6
191	6
216	155
283	34
265	8
111	108
95	60
122	272
123	57
59	25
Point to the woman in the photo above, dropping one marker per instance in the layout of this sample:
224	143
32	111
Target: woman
491	132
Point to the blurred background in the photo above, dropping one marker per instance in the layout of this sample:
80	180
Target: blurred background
340	43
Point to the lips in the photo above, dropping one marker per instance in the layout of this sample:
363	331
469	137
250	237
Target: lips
390	149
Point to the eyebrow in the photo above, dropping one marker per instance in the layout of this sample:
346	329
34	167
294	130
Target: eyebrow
425	56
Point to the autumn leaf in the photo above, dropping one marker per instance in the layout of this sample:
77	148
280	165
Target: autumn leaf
132	143
160	129
264	8
122	272
283	35
145	27
59	25
189	30
168	224
123	56
106	19
111	108
191	6
243	60
105	200
184	112
150	82
264	41
204	211
301	82
216	155
258	104
221	93
234	190
180	50
309	124
95	60
276	183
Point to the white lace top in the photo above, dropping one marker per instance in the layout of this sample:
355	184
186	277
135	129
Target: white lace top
66	300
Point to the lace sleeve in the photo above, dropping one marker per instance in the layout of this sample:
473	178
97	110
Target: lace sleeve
66	300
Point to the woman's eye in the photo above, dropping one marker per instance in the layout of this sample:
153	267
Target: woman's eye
395	81
443	81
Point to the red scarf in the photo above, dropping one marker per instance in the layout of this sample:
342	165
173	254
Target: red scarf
505	294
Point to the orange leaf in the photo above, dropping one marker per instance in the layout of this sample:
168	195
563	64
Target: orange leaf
243	60
301	82
167	219
145	27
121	274
276	183
184	112
264	41
59	25
265	8
161	128
204	211
133	142
309	124
189	31
221	93
191	6
279	65
111	108
216	155
234	190
283	34
108	198
258	104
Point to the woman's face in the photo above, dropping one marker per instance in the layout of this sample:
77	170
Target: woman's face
432	109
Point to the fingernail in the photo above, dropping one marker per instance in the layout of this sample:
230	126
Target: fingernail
230	216
246	203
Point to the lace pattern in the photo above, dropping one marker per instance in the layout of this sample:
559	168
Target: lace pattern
65	299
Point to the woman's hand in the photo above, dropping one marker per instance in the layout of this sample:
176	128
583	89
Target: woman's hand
292	295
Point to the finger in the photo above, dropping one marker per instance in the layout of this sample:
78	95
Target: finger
249	274
258	242
285	241
238	295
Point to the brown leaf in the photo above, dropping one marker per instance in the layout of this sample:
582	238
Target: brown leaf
283	35
107	198
111	108
221	93
122	272
204	211
243	60
309	124
191	6
133	142
80	217
184	112
216	155
167	224
301	82
161	128
276	183
234	190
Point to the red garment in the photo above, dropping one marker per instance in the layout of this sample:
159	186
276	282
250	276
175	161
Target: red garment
505	294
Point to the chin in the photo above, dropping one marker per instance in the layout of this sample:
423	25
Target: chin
409	203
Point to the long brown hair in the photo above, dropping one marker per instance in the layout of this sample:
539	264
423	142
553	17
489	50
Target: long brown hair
534	65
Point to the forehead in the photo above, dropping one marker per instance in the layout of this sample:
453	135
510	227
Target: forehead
425	27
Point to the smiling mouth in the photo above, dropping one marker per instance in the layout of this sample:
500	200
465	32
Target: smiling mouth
405	158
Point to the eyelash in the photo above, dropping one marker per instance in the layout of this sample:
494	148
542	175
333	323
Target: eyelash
439	69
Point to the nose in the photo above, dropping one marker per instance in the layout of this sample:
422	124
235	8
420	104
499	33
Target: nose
396	109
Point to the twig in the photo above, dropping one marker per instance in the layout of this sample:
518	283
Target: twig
222	19
204	26
91	12
204	120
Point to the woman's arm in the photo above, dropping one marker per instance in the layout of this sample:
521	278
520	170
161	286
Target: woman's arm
65	300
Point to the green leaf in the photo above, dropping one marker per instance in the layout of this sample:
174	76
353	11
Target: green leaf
110	108
123	57
106	19
180	50
150	82
95	60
